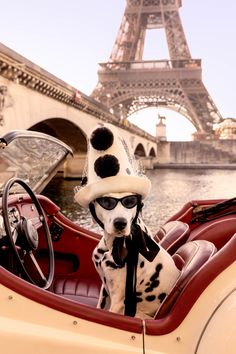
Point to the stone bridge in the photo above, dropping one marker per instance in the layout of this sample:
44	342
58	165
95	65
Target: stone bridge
32	98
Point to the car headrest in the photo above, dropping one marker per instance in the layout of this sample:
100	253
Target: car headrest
172	235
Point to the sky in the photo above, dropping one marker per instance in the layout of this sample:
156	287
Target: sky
69	39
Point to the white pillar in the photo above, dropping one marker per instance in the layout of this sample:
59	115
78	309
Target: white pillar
161	128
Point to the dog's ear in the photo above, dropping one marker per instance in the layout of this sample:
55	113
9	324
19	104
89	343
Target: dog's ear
143	241
94	215
139	209
144	227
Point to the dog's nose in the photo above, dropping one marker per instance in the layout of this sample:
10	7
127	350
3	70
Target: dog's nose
120	223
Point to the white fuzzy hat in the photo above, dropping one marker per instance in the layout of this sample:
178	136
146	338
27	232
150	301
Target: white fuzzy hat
110	167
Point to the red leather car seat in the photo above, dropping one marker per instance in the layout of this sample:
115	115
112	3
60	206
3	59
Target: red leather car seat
189	258
81	289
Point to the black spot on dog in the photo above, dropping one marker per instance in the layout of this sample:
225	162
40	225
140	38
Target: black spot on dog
157	272
159	267
154	276
155	283
150	298
161	297
142	264
111	265
101	251
148	290
128	171
148	283
139	299
101	139
106	166
104	294
141	282
138	293
84	181
103	303
96	256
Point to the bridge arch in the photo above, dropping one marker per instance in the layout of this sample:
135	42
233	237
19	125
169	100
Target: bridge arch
152	152
64	130
139	150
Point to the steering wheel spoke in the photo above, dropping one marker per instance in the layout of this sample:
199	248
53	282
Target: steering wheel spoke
37	267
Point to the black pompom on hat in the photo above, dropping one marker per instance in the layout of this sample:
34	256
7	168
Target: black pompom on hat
106	166
101	139
110	168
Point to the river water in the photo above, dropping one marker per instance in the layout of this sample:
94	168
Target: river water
171	189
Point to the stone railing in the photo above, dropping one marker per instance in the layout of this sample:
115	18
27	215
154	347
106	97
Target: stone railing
20	70
151	65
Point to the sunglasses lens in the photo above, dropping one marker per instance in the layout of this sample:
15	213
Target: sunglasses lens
130	201
107	202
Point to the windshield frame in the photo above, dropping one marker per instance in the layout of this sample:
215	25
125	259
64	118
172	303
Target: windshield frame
50	164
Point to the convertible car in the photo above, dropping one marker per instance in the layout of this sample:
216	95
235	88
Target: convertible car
49	287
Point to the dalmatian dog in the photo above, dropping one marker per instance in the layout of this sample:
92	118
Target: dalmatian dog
118	214
136	273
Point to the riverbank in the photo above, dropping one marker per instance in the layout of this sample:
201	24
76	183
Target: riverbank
191	166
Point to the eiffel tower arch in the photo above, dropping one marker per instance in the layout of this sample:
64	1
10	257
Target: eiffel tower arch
127	83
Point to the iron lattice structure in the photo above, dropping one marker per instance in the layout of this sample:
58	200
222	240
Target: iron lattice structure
127	83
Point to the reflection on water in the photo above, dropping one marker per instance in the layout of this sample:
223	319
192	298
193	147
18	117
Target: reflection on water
171	189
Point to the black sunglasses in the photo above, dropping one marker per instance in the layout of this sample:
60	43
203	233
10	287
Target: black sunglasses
109	203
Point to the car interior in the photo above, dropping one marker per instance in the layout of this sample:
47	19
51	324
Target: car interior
56	260
46	257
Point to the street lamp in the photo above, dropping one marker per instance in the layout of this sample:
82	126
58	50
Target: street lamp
3	92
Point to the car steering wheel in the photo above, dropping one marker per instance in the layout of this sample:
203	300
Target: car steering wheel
24	237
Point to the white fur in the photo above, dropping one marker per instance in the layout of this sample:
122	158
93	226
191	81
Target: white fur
112	293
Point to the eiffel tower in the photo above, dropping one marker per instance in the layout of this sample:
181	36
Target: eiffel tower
127	83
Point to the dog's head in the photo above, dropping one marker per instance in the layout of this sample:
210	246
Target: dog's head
116	211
